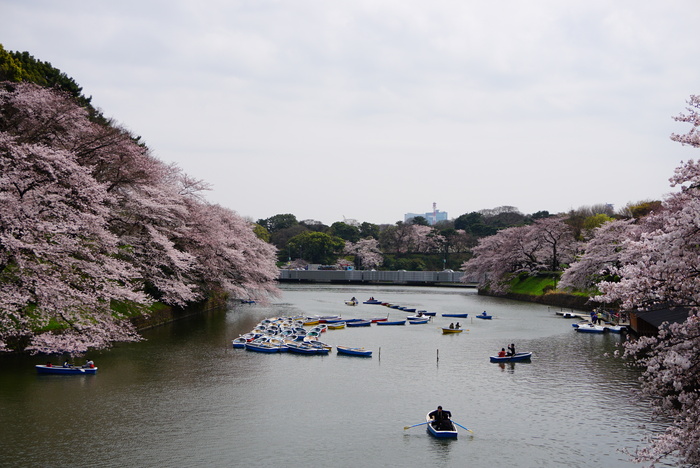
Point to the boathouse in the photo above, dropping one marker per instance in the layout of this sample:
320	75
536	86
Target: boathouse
647	323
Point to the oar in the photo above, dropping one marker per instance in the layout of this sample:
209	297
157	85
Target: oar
408	427
463	427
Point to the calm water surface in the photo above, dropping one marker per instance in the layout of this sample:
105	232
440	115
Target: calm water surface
183	397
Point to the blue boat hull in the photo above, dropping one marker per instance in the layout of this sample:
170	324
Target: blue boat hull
308	350
361	352
516	358
41	369
396	322
366	323
484	317
263	349
441	434
455	315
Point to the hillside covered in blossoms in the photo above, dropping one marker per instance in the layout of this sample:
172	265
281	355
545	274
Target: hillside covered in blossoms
94	229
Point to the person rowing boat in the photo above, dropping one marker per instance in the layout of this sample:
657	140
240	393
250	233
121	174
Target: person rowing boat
441	419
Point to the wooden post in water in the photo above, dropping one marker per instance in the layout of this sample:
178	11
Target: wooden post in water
438	355
380	353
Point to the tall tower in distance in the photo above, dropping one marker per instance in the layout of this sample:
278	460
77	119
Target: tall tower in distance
432	216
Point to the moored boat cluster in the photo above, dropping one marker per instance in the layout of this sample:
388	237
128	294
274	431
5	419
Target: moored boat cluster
288	334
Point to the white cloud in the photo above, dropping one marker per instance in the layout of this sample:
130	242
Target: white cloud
369	109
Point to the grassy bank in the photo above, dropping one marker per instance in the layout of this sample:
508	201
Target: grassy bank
542	289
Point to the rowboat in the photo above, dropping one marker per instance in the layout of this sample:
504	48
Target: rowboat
239	342
407	309
417	317
378	319
312	336
418	321
455	315
447	331
311	322
354	351
264	347
325	318
306	349
72	370
429	314
351	303
372	301
336	326
441	433
358	323
317	344
616	328
484	316
517	357
392	322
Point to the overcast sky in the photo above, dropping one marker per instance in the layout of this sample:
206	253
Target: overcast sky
369	109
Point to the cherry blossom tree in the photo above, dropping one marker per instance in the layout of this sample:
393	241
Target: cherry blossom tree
366	252
671	382
600	257
89	219
58	260
410	238
546	244
500	256
662	266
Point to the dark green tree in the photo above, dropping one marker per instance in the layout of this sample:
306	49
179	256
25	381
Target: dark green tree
313	225
474	223
420	221
369	230
345	231
278	222
540	215
316	247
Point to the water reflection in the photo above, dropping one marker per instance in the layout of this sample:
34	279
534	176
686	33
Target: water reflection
184	397
439	449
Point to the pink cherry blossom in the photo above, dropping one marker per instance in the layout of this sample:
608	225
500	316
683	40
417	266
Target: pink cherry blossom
89	219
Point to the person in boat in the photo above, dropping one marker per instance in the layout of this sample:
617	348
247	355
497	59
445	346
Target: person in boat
502	352
452	326
441	419
353	299
66	364
484	313
511	349
48	364
89	364
457	326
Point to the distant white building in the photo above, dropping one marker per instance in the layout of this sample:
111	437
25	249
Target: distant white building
433	216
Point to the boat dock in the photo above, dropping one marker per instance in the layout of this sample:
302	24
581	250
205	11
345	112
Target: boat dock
607	320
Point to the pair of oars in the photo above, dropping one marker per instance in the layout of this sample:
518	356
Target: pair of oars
421	424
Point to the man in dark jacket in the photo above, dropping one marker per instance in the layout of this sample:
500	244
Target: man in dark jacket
441	419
